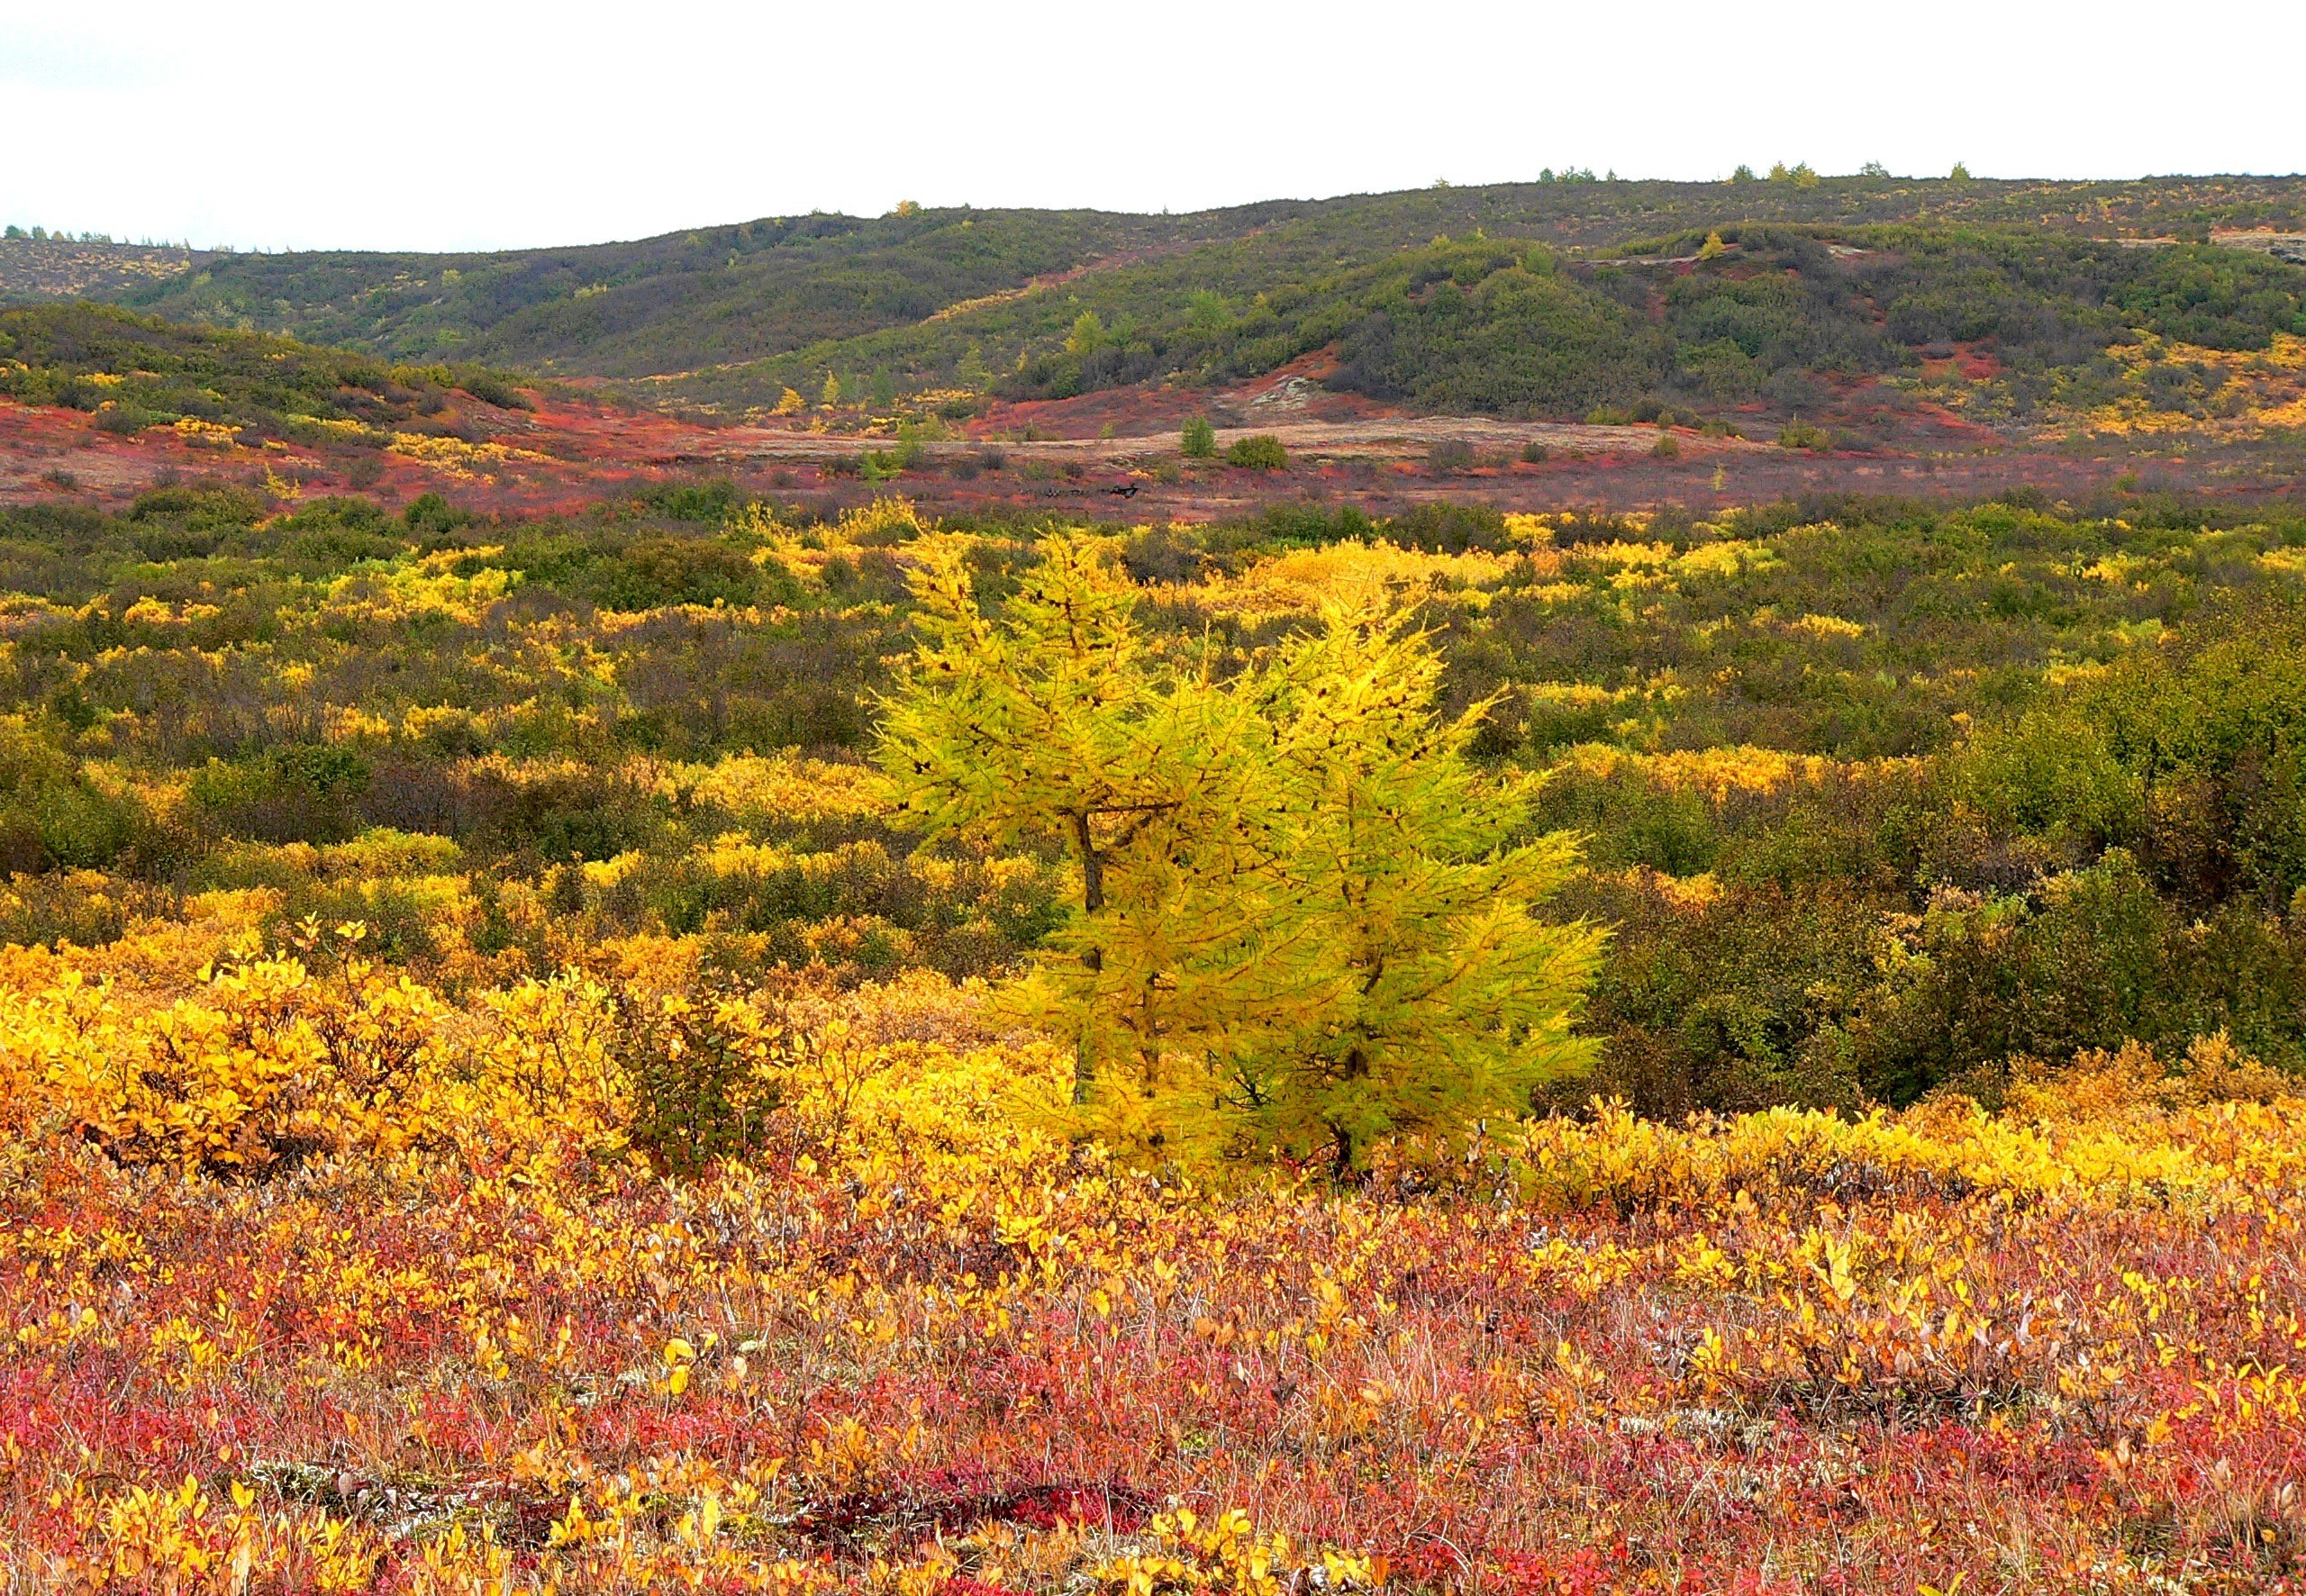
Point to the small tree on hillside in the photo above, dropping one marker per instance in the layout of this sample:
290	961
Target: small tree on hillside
1048	723
1199	441
1304	925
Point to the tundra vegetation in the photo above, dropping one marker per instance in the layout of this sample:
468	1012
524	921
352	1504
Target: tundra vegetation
691	1045
1551	298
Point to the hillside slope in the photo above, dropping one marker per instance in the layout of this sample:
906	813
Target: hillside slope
1431	299
714	294
1774	316
35	270
132	373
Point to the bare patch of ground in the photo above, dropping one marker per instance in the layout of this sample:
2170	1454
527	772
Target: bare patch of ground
570	451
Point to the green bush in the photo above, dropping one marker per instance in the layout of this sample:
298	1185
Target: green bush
431	516
336	532
1443	528
491	387
1199	441
654	572
701	1091
2192	755
1311	524
2095	958
125	419
51	816
1450	456
603	568
202	509
292	792
1738	1003
707	502
1260	451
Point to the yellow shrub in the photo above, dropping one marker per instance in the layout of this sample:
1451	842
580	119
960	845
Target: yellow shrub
265	1064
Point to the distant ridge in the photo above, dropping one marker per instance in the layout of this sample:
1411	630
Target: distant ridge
1040	304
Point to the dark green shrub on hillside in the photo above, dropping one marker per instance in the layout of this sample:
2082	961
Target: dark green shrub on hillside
2193	755
1513	343
709	503
1450	456
202	508
2054	780
700	1092
565	814
2099	959
430	518
604	569
1736	1003
124	420
1443	528
334	533
1310	524
1161	555
659	571
349	513
51	816
292	792
1260	451
491	388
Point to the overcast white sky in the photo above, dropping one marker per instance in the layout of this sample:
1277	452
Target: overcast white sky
481	125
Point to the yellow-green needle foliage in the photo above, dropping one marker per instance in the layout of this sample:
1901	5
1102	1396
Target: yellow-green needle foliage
1303	929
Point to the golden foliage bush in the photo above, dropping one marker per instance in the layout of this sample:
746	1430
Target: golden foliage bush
266	1064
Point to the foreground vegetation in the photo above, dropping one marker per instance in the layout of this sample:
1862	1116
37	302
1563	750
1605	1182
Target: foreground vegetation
1877	797
499	1093
915	1343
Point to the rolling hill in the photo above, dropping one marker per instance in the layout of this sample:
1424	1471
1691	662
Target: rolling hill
1557	298
1705	321
130	373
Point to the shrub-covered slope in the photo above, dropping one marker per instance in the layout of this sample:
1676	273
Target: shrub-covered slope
957	297
131	372
1487	324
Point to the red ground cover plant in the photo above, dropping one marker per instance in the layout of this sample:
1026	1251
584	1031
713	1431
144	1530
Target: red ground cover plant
449	1343
1075	457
